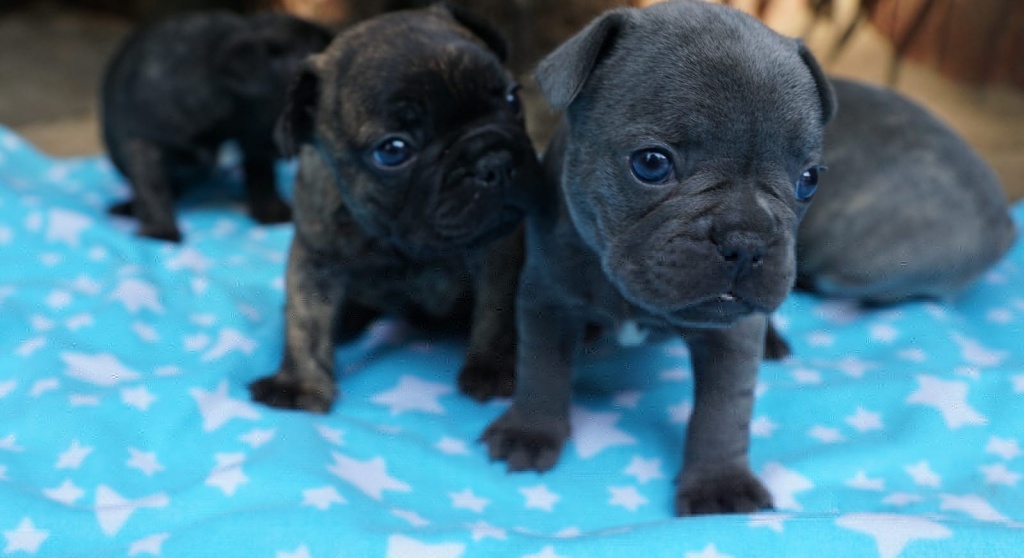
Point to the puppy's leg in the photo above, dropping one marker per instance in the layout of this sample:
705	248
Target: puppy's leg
531	433
265	203
490	367
716	475
315	293
153	206
353	321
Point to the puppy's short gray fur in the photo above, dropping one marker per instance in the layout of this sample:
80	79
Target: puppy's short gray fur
431	238
907	209
177	90
704	255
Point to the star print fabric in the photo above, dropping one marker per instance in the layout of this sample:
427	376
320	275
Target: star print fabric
126	428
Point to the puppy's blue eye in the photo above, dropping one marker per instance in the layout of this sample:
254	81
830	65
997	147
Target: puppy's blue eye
392	152
652	166
512	98
807	184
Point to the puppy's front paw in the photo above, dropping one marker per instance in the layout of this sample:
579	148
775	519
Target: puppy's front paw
734	490
270	212
485	378
525	446
282	393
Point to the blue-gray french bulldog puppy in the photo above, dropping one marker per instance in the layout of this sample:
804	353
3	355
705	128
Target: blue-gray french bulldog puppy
690	151
907	209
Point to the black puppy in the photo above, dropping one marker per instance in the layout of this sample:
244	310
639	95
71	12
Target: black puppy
177	90
414	162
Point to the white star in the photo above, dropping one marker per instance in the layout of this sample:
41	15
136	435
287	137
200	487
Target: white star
30	346
43	386
466	500
25	538
999	474
229	340
101	369
7	387
884	333
58	299
855	367
594	432
67	493
569	533
482	530
977	354
821	339
400	546
914	354
87	285
678	374
839	312
973	506
763	427
644	470
227	475
773	521
864	420
322	498
370	476
139	397
680	412
258	437
826	434
136	295
3	473
300	552
41	323
144	461
546	552
806	376
923	475
627	497
784	484
332	435
191	259
539	497
892	533
710	551
1006	448
149	545
861	481
146	332
901	499
217	407
451	446
1018	383
628	399
195	343
413	394
72	457
113	510
949	398
79	400
414	519
1001	316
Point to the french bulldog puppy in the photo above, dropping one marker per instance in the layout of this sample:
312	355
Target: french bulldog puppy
907	209
691	148
415	170
176	90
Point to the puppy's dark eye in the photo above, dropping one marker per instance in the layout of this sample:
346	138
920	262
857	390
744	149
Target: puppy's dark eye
514	103
392	152
652	166
807	184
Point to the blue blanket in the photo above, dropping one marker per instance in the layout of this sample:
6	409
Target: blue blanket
126	428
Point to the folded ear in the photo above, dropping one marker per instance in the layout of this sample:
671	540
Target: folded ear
479	27
825	93
295	125
562	74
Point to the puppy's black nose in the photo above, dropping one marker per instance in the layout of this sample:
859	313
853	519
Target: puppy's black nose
494	169
744	253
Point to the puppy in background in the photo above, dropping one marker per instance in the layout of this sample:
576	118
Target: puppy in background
176	90
690	151
414	169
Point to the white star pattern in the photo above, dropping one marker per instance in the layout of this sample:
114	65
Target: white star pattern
113	510
137	295
861	481
546	552
901	499
785	484
680	412
1018	383
44	386
258	437
481	530
998	474
644	470
144	461
73	457
451	446
627	497
414	519
892	533
400	546
227	475
67	493
229	341
26	537
949	398
151	545
139	398
7	387
217	407
301	552
539	497
370	476
332	435
806	376
10	443
101	369
594	432
774	521
864	421
322	498
1006	448
826	434
923	475
710	551
467	500
973	506
763	427
413	394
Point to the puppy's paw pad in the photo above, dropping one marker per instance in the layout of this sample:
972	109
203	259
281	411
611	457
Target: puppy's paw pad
273	392
737	491
484	380
534	448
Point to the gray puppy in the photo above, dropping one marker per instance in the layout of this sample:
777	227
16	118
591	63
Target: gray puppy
415	166
907	208
177	90
692	147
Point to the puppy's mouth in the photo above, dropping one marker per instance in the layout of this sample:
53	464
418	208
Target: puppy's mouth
720	310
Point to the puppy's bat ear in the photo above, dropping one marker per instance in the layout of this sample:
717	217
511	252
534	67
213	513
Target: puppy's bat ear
562	74
296	123
825	93
479	27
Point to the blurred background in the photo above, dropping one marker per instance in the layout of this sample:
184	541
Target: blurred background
963	59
